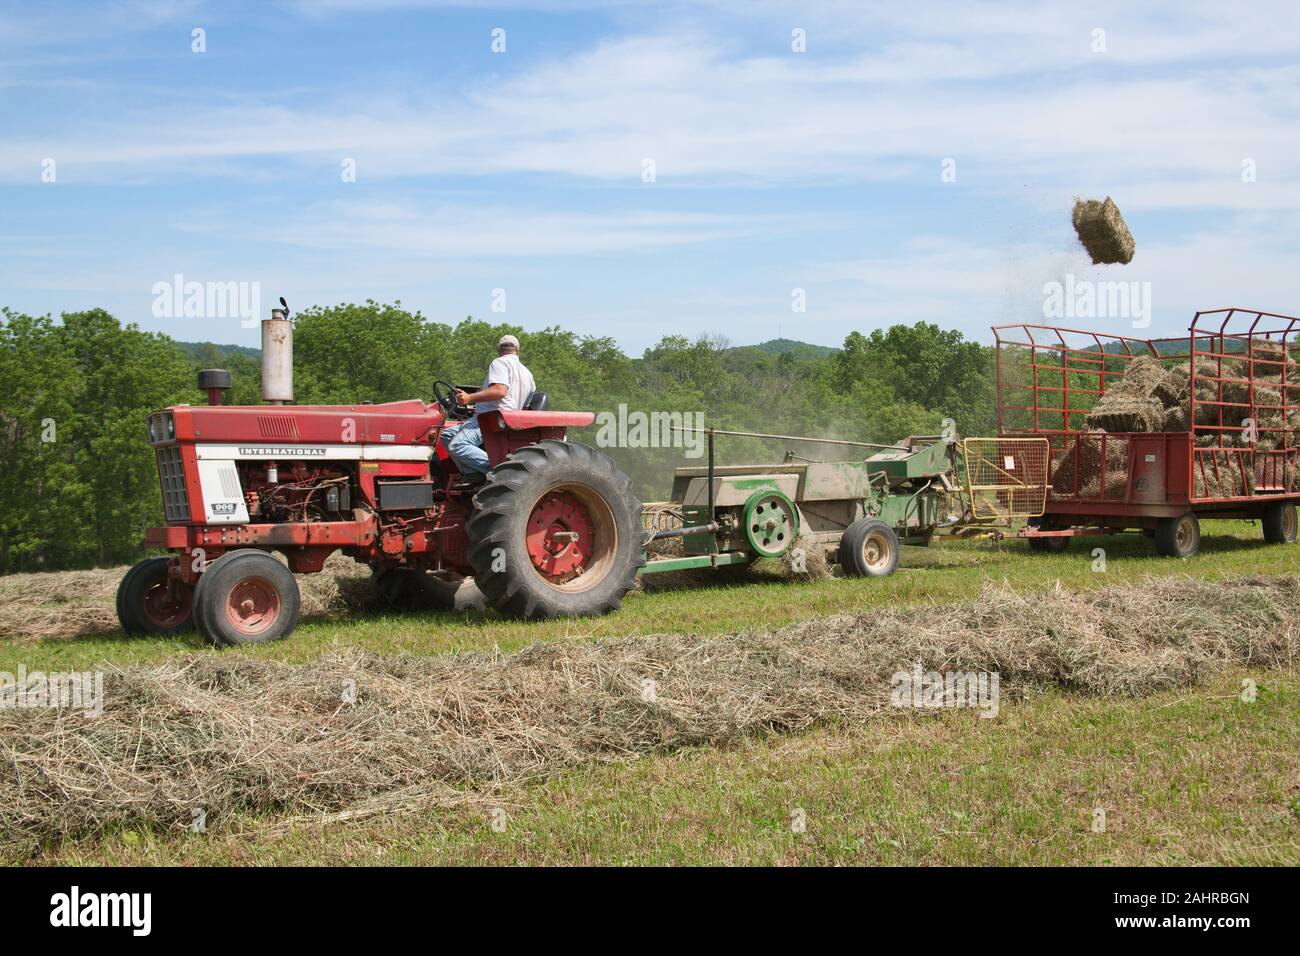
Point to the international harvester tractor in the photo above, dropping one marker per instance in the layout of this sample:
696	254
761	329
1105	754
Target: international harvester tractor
554	530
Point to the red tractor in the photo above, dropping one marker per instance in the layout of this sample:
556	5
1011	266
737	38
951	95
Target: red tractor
554	530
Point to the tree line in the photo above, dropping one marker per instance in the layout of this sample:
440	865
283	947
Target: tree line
80	484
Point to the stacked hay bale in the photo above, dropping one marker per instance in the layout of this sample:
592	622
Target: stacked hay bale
1140	401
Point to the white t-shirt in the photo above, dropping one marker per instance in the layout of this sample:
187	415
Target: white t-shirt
507	370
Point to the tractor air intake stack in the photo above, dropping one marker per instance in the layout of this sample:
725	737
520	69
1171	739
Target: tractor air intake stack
277	357
214	381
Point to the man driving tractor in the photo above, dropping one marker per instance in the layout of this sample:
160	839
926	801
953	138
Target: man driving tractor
507	385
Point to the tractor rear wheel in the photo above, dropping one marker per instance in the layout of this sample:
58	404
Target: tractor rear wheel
149	603
869	549
1280	523
555	532
1179	537
246	597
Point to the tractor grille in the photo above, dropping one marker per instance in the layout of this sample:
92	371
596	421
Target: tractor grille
171	472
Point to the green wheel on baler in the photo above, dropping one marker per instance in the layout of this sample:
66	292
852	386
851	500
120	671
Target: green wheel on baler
771	523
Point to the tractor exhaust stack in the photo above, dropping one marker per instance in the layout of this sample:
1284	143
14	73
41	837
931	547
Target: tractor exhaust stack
277	356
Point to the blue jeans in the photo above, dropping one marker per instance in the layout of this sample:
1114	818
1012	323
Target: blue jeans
465	445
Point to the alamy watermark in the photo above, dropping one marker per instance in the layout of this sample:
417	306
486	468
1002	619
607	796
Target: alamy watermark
626	428
1085	299
977	690
73	690
178	299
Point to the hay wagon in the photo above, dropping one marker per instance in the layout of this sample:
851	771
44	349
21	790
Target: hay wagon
1157	435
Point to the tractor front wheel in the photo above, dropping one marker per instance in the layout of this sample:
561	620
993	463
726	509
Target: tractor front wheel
555	532
869	549
246	597
149	602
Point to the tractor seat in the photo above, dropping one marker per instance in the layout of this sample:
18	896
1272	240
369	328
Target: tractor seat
537	402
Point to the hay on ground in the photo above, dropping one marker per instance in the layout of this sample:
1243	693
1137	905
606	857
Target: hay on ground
236	734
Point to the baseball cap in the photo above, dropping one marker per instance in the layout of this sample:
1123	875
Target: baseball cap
508	340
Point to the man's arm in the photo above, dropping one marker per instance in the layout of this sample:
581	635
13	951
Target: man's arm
493	393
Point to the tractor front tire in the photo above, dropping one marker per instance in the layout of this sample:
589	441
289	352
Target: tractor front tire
246	597
1179	537
148	603
1280	523
869	548
555	532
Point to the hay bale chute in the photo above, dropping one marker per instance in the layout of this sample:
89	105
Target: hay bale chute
1103	232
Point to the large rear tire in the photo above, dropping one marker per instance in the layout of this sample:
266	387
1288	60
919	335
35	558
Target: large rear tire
869	548
555	532
1280	523
1179	537
246	597
149	603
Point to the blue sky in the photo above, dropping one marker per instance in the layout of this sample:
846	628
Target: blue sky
775	170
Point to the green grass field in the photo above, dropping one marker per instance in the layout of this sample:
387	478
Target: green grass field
1196	776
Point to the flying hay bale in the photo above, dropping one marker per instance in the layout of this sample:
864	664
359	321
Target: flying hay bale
1103	232
241	734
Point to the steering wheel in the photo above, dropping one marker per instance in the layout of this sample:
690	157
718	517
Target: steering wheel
444	393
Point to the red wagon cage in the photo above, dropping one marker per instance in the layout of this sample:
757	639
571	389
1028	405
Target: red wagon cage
1229	447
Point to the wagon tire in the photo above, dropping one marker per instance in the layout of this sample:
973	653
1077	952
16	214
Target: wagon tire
246	597
1280	523
869	548
1051	545
1179	537
147	603
555	532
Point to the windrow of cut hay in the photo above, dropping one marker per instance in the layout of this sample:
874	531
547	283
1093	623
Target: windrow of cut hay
356	733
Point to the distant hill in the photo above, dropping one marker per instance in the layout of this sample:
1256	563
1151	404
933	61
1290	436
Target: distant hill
214	352
800	350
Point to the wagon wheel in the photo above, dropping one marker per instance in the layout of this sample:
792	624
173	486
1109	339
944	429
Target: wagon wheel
1280	523
1179	537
